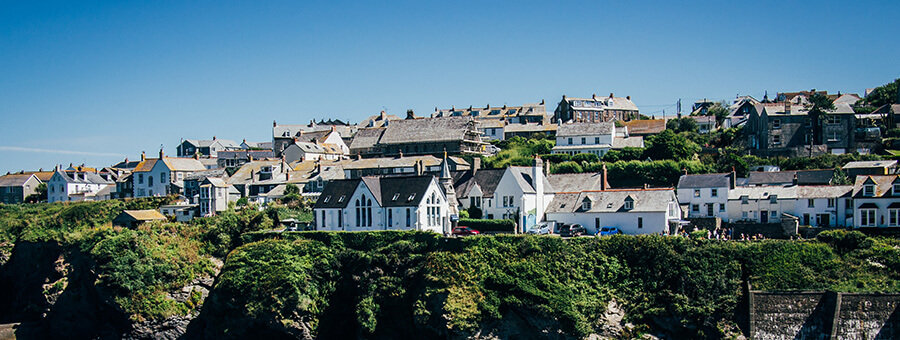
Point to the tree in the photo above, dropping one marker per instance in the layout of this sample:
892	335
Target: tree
885	94
291	188
685	124
669	145
39	195
720	111
820	105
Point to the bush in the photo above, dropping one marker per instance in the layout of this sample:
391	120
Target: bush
568	168
585	158
845	241
473	213
489	225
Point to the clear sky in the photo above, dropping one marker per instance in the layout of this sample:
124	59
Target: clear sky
95	81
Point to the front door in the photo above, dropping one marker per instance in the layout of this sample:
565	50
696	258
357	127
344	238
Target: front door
823	220
709	209
764	216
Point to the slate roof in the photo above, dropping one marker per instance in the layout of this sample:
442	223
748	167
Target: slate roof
869	164
316	148
804	177
611	103
705	181
14	180
523	178
824	191
126	164
569	183
612	201
883	185
245	154
203	174
645	126
585	129
398	162
495	111
487	180
409	191
243	174
200	143
529	127
762	193
83	177
174	164
366	138
628	142
426	130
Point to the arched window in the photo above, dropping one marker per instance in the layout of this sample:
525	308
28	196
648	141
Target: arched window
357	213
368	212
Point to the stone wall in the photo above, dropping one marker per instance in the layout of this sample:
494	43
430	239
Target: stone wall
823	315
705	223
787	228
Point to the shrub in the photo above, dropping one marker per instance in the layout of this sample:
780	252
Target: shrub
489	225
845	241
585	158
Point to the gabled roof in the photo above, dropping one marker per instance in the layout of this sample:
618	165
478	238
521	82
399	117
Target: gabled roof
183	164
762	193
15	180
824	191
585	129
804	177
611	103
202	143
426	130
612	201
883	185
83	177
704	181
486	179
388	191
628	142
522	175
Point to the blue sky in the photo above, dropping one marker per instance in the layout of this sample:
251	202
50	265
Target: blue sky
93	81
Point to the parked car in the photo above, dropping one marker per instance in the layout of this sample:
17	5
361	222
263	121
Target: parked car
572	230
540	229
609	231
465	231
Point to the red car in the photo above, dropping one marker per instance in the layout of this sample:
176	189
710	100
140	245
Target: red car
465	231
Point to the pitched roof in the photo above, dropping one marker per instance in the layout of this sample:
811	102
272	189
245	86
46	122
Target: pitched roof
628	142
200	143
611	103
388	191
611	201
426	130
529	127
705	181
804	177
869	164
183	164
494	111
576	182
487	180
585	129
883	184
366	138
83	177
762	193
15	180
824	191
645	126
522	175
397	162
143	215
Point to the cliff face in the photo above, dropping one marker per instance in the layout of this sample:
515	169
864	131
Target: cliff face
393	285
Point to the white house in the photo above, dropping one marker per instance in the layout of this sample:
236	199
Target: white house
306	151
215	195
383	203
705	195
633	211
75	186
207	148
824	206
157	176
522	194
760	204
876	201
593	138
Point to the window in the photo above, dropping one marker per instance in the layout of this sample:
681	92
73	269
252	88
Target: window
897	189
596	140
776	139
869	190
629	204
811	203
597	223
709	209
745	199
867	217
714	192
640	222
776	123
140	178
695	208
722	207
390	217
150	180
505	202
586	204
323	218
744	215
831	202
696	192
833	136
893	217
773	214
570	140
773	199
407	218
832	119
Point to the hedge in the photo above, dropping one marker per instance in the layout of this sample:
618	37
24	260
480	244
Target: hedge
488	225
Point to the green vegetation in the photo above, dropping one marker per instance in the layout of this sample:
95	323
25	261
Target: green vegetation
518	151
488	225
463	285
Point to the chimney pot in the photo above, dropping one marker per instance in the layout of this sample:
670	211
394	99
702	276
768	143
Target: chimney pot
610	95
274	124
628	97
604	184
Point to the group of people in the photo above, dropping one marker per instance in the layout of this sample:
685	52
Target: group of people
720	234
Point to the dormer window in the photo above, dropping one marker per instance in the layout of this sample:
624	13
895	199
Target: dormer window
869	190
896	189
629	203
586	204
776	123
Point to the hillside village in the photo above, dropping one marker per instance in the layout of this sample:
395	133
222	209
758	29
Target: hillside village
768	167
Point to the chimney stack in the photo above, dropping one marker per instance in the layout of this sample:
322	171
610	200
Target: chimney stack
161	153
732	177
143	156
787	107
274	124
476	165
796	181
628	97
537	179
594	96
610	95
214	137
604	184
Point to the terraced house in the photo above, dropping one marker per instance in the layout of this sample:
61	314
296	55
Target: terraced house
596	109
876	201
162	176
